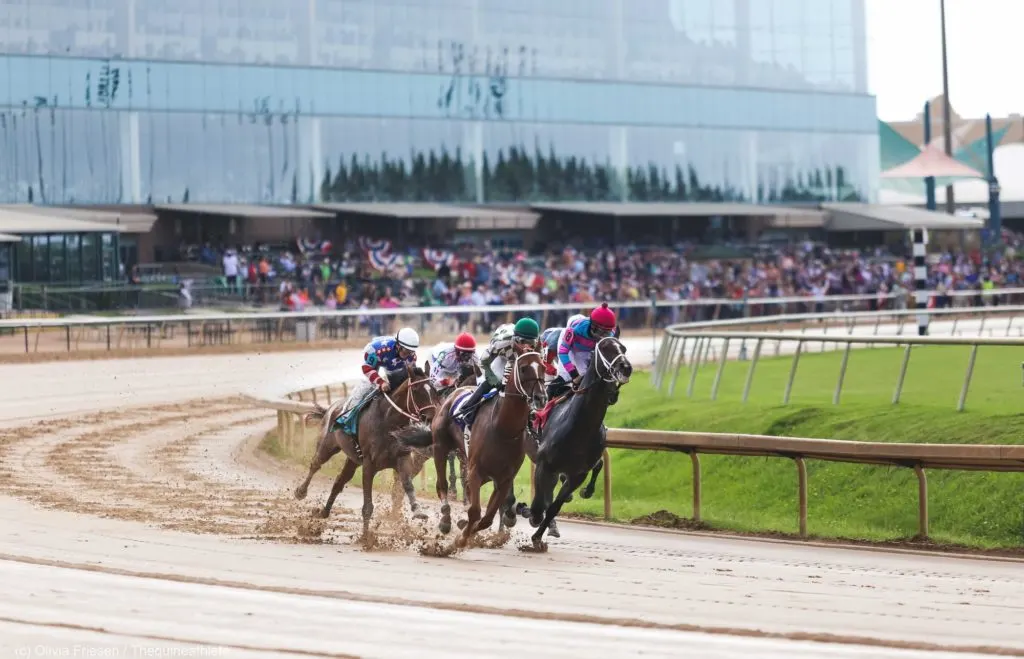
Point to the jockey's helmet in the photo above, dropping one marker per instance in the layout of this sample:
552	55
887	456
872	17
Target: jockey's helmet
526	328
465	342
602	319
408	338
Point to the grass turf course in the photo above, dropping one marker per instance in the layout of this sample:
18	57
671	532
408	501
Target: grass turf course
974	509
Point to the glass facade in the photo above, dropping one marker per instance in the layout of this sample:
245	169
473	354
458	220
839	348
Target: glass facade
63	258
126	101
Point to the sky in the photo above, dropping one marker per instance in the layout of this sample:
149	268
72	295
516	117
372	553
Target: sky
905	56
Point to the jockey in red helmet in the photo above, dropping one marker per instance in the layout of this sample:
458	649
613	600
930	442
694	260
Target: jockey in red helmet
448	361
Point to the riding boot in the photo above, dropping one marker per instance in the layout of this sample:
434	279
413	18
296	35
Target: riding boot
468	412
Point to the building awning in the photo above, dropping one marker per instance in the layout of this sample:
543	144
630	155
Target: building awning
880	217
9	238
468	218
133	221
678	209
17	223
247	211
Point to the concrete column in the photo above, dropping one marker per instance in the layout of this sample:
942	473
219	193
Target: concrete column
311	167
618	148
131	177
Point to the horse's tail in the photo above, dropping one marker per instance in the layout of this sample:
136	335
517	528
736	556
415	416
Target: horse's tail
418	435
314	417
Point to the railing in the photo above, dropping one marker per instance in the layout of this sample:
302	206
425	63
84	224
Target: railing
978	457
155	332
704	344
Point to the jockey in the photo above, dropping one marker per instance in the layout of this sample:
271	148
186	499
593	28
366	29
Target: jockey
497	354
449	360
576	345
393	354
549	341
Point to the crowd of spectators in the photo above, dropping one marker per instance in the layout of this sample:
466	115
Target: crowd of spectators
306	274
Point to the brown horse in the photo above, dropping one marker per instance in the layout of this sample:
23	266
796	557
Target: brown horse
468	381
381	443
496	448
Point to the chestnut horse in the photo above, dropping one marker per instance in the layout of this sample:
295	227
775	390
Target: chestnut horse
496	449
382	441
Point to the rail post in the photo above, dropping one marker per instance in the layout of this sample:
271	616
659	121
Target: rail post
695	465
694	366
801	472
967	379
842	374
922	502
792	373
721	369
680	360
902	376
658	359
607	484
750	371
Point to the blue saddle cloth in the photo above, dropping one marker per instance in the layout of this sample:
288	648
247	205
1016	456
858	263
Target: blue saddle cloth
455	410
349	421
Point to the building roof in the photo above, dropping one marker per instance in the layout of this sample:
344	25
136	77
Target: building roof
13	221
931	161
250	211
427	210
129	221
879	217
9	238
677	209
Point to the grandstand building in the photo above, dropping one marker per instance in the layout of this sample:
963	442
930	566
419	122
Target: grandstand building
471	101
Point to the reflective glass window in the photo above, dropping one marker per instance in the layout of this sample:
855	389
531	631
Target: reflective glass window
40	258
25	261
73	245
90	258
58	259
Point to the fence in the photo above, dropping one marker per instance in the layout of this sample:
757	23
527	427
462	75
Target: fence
978	457
154	332
702	343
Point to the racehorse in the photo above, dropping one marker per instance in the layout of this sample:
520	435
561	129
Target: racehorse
380	442
573	437
469	380
496	449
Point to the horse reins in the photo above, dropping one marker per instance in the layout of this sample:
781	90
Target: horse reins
410	401
516	380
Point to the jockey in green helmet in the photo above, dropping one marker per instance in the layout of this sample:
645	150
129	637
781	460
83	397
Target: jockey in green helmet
506	341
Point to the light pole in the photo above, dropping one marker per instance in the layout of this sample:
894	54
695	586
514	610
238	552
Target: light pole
947	129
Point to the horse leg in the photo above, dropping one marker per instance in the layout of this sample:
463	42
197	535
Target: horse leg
326	449
368	474
570	484
463	477
405	473
544	488
588	491
473	514
451	475
344	476
498	497
440	456
508	509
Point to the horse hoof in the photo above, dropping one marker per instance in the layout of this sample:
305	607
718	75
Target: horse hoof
522	510
419	516
535	522
446	510
509	519
300	493
553	531
568	499
445	527
461	524
587	493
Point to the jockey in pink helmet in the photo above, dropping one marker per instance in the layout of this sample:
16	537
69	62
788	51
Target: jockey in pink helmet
576	346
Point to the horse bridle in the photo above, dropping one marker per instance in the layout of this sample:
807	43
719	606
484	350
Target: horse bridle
609	377
516	381
410	400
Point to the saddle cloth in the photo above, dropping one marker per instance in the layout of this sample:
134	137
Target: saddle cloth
456	408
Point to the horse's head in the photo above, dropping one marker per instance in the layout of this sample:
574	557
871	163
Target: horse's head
611	365
416	396
526	379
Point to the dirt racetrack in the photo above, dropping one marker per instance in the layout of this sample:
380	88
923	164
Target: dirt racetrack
135	512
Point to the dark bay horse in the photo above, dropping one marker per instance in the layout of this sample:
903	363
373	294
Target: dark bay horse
574	437
469	378
496	448
381	443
